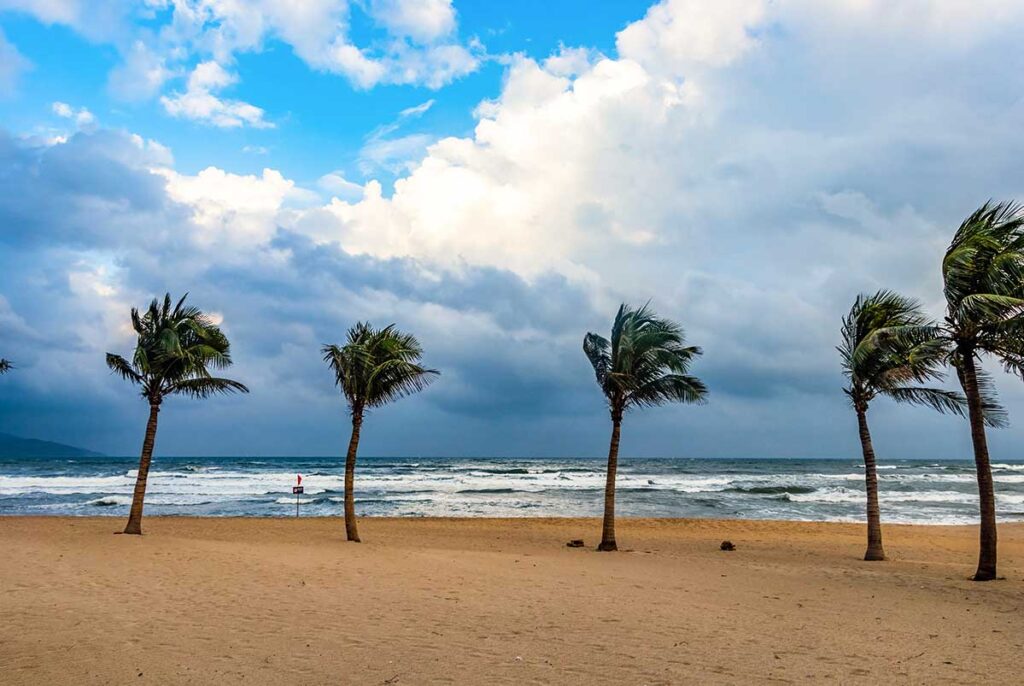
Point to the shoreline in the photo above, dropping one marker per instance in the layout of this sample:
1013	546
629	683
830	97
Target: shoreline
512	518
501	600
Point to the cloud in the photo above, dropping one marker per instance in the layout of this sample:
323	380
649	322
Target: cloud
232	209
676	36
416	110
200	102
104	222
750	181
338	186
424	21
12	65
394	155
97	20
141	75
160	41
83	118
421	46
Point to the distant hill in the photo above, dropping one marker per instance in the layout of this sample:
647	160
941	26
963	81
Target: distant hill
13	446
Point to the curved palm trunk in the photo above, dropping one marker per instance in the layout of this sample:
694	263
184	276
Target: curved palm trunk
874	551
986	491
134	525
608	528
350	474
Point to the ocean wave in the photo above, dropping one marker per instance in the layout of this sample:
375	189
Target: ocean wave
843	495
813	490
1009	478
111	500
487	490
15	485
773	490
301	501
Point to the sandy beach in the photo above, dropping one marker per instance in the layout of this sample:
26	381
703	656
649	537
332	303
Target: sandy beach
473	601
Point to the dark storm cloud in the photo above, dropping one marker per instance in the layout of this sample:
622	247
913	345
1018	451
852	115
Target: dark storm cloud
89	192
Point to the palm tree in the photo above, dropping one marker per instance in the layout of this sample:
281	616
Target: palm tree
645	364
888	348
5	366
372	369
175	350
983	275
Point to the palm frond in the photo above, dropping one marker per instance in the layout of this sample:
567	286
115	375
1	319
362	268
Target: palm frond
176	347
596	348
123	368
5	366
645	362
939	399
671	388
206	387
377	366
983	277
993	412
886	345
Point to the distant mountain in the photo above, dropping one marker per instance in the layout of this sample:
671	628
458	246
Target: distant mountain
13	446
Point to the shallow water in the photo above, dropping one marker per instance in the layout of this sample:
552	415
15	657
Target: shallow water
912	491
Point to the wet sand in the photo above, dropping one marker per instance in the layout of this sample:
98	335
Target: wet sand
474	601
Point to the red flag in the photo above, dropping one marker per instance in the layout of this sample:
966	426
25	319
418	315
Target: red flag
298	478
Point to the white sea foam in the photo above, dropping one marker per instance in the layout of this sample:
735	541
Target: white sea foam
302	501
844	495
1007	478
14	485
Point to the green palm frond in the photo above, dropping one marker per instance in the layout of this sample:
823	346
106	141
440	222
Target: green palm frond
646	361
377	366
123	368
983	276
993	412
983	269
176	347
888	347
597	349
939	399
671	388
207	386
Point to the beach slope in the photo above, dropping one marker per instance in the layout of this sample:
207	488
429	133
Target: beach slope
470	601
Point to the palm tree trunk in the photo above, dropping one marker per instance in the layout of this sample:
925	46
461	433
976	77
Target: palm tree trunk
986	491
608	528
874	551
350	474
134	525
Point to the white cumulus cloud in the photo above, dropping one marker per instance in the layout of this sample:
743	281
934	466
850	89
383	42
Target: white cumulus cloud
82	117
201	103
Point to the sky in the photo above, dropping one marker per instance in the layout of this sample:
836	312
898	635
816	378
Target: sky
495	178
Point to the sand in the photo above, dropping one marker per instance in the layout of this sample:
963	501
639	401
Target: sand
486	601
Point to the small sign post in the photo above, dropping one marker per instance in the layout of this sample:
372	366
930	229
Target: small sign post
297	489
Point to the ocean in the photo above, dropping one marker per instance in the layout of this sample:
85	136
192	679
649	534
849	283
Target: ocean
912	491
